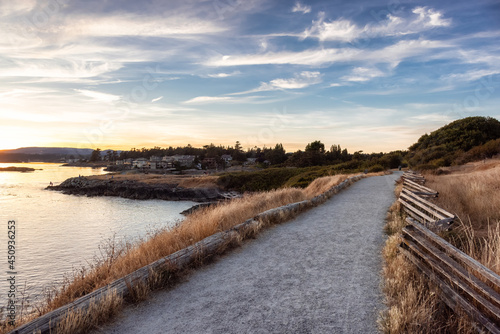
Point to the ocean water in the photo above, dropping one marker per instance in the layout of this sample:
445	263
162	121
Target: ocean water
56	233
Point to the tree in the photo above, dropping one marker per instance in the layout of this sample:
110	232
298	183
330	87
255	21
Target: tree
238	154
96	155
316	146
276	155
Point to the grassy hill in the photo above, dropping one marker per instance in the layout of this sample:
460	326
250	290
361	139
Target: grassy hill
464	140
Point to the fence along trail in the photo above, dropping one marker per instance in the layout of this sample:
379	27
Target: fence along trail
465	284
317	273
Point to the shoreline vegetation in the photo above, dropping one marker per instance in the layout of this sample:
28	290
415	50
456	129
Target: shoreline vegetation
120	260
17	169
197	188
471	192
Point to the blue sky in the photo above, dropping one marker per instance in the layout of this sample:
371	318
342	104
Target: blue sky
368	75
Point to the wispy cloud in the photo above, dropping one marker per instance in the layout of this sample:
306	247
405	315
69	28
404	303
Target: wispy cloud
208	99
347	31
98	96
300	8
223	75
134	25
392	54
360	74
156	99
299	80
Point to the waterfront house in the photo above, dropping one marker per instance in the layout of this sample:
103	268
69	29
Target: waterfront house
250	161
140	163
184	160
168	162
227	159
210	163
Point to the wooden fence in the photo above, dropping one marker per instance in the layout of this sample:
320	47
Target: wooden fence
465	284
182	259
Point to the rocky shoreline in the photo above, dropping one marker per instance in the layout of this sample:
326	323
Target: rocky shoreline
138	190
17	169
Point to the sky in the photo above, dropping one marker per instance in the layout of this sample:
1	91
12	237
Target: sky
367	75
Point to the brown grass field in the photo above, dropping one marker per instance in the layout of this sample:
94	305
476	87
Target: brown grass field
471	192
186	181
120	260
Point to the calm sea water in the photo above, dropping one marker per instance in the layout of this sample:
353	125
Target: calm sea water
57	233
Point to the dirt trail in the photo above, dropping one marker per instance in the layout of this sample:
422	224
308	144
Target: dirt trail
319	273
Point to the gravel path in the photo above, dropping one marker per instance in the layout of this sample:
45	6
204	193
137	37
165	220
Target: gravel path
319	273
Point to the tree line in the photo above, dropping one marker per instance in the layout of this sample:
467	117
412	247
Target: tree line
314	154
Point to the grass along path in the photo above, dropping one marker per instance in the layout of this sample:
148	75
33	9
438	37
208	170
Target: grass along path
317	273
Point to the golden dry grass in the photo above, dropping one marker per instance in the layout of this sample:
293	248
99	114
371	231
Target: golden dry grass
81	321
121	260
473	195
322	184
187	181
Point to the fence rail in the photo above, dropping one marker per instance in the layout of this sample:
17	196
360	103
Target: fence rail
465	284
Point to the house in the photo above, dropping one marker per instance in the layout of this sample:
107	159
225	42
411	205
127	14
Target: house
168	162
251	161
128	161
155	158
184	160
120	162
155	164
210	163
140	163
227	159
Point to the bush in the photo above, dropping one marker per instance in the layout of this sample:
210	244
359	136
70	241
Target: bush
376	168
426	167
263	180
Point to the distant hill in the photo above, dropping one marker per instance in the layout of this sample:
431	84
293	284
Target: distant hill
464	140
50	150
43	154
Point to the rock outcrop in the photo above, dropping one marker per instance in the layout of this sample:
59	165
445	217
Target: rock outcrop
137	190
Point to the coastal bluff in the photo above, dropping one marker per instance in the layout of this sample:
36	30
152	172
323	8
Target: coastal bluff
138	190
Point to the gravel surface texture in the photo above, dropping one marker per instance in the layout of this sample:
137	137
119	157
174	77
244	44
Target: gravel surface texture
318	273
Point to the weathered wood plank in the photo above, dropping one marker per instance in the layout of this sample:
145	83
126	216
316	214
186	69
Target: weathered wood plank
411	199
461	281
418	186
452	298
444	214
418	191
416	211
487	273
485	289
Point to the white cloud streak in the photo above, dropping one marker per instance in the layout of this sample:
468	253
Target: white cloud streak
300	80
345	30
361	74
392	54
98	96
300	8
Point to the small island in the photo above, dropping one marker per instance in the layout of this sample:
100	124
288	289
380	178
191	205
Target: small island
17	169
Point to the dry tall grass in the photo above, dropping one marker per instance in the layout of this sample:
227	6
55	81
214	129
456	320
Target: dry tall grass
322	184
119	261
473	195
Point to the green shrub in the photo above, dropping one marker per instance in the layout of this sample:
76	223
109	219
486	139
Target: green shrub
376	168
